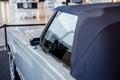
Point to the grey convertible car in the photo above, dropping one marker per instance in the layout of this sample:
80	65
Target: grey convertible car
79	42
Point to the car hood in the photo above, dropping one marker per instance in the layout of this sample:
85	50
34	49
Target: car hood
24	35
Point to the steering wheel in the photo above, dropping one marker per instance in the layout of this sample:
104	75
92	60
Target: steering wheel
60	40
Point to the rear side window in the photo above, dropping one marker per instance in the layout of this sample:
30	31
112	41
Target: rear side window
58	39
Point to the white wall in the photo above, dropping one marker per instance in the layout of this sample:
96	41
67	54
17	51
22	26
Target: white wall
101	1
59	3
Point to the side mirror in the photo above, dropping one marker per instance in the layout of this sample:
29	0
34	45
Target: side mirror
35	41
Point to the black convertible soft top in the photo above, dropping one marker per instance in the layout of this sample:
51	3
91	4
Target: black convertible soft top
77	9
96	49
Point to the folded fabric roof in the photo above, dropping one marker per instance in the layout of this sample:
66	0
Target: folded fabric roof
96	55
77	9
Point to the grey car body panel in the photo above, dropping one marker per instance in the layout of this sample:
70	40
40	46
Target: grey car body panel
32	63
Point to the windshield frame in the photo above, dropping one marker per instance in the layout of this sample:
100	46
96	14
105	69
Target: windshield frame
67	50
47	26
